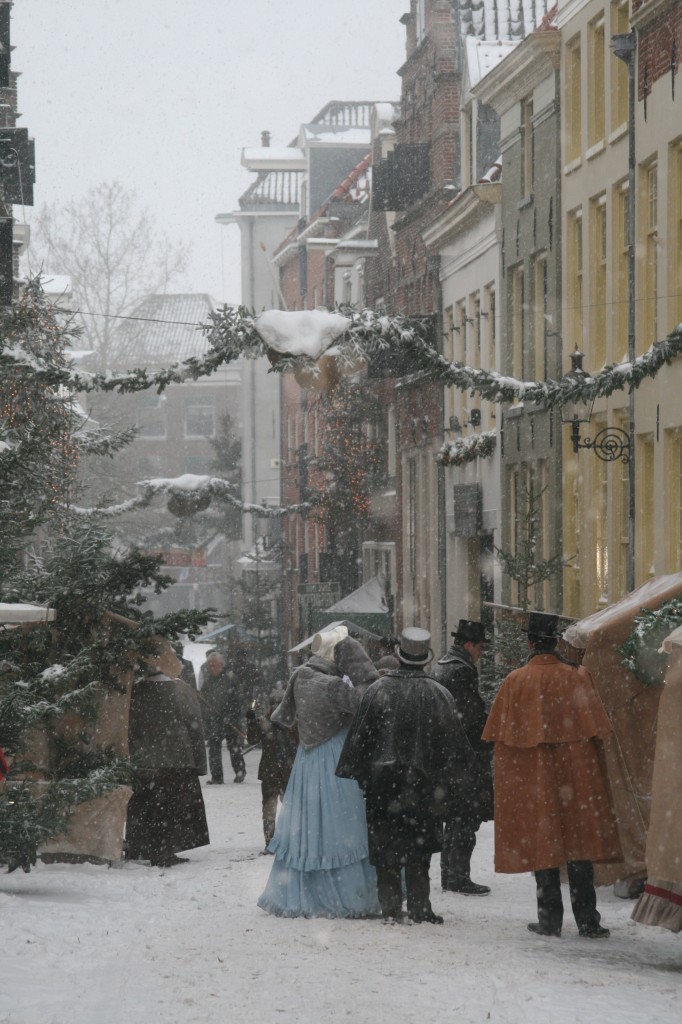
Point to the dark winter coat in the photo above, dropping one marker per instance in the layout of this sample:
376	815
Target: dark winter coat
166	812
223	700
458	674
279	746
165	726
404	749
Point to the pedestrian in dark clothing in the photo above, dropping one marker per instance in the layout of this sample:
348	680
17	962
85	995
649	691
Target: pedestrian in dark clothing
279	746
404	748
187	674
166	811
223	704
457	672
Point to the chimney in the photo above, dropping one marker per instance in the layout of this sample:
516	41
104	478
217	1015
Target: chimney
265	139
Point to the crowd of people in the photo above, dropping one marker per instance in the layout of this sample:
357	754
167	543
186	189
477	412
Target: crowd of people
369	768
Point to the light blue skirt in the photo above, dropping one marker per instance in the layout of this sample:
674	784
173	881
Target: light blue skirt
321	866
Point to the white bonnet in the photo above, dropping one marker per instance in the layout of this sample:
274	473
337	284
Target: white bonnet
324	643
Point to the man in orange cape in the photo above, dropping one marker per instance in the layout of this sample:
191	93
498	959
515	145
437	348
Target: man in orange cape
552	800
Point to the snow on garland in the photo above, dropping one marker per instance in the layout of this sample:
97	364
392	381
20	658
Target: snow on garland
495	387
641	649
234	331
467	449
188	494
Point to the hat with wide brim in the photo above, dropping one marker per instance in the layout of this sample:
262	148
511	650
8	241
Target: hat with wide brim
542	626
414	647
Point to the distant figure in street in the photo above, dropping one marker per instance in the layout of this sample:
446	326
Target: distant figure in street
223	706
552	799
166	811
279	746
187	675
321	866
457	672
403	749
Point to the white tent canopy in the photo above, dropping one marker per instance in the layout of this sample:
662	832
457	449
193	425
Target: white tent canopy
578	634
369	599
15	614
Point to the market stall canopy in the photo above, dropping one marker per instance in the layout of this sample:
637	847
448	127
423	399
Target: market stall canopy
633	708
367	607
16	614
651	594
357	632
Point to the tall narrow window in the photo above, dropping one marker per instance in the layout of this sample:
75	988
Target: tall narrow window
488	349
420	24
619	274
675	234
539	317
596	84
573	86
597	349
645	508
575	279
649	249
517	323
619	72
527	141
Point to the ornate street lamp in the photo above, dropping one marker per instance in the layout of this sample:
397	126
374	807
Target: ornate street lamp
611	443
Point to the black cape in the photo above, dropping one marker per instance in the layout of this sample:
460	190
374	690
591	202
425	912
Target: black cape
405	720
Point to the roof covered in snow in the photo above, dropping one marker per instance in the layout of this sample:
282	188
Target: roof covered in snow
500	19
164	329
483	56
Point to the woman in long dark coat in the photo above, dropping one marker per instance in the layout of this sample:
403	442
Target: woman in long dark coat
166	812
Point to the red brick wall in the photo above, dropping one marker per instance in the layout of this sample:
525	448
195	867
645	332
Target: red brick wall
658	40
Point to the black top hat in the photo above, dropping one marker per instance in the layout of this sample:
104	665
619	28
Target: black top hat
469	631
542	626
414	649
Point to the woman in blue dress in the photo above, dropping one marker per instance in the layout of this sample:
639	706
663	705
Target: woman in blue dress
321	866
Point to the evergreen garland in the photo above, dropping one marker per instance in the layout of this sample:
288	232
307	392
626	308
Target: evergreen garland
467	449
640	652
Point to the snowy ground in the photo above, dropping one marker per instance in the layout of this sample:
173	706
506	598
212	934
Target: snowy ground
137	945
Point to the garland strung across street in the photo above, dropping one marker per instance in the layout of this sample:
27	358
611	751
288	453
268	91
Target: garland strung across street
189	494
233	332
467	449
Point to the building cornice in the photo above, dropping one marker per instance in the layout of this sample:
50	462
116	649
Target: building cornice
533	60
650	10
466	210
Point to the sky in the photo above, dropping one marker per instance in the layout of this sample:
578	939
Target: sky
162	95
85	944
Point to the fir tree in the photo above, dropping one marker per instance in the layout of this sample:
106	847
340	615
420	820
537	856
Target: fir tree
53	676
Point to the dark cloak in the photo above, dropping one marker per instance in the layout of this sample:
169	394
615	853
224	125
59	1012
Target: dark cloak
405	748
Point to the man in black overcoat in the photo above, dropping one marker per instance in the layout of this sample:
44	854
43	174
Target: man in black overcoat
223	705
403	750
457	672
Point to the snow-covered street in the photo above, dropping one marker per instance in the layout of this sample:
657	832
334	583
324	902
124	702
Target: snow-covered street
91	945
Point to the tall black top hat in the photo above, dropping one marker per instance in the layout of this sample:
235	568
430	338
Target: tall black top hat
469	631
414	648
542	626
